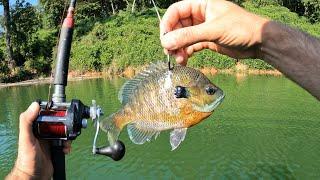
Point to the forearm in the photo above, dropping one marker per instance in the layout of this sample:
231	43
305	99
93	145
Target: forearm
294	53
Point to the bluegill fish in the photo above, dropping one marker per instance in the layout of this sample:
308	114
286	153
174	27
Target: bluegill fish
160	99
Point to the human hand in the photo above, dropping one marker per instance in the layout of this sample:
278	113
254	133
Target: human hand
34	159
192	25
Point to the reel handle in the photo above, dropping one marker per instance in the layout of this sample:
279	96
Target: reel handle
116	152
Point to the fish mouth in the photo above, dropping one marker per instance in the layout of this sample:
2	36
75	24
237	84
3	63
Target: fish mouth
212	106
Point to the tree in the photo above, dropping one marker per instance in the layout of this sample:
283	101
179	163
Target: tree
52	10
104	6
112	7
25	23
308	8
134	2
312	10
7	28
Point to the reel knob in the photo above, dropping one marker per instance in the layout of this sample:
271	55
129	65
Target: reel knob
116	152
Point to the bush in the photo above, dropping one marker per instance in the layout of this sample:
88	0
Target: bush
132	39
40	50
312	10
207	58
125	40
282	14
307	8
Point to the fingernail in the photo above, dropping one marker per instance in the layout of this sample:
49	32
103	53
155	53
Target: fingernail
171	52
165	51
33	107
161	35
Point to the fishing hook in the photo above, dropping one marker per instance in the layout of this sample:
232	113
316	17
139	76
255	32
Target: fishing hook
169	63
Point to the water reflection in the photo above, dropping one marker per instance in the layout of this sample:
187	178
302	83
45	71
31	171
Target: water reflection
267	127
240	77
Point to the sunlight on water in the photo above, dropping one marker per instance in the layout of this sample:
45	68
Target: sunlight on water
266	127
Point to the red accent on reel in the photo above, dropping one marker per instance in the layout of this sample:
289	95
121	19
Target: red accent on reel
53	113
53	130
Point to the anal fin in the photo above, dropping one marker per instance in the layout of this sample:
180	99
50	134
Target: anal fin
139	135
177	136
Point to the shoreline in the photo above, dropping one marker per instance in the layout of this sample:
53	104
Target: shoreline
129	72
46	80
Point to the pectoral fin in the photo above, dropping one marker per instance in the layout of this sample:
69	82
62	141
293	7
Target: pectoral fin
139	135
177	136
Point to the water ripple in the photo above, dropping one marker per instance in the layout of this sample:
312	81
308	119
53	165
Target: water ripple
266	128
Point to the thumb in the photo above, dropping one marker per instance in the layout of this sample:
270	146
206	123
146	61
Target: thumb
186	36
26	119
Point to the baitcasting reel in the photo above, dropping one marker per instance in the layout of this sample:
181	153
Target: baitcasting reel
64	121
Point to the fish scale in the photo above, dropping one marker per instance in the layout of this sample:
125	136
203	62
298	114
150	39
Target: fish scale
150	104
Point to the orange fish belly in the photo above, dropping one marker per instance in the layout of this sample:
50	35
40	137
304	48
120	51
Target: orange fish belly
187	117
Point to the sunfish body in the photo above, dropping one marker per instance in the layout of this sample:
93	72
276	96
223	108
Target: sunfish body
160	99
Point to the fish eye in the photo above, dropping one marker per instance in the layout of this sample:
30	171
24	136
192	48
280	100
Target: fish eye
180	92
210	90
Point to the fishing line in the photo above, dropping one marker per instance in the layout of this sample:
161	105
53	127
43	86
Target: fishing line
97	124
159	17
52	70
155	7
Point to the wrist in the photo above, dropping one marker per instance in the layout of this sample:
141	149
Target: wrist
260	25
16	173
269	34
272	34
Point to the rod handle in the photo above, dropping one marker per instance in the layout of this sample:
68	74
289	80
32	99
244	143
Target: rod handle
58	162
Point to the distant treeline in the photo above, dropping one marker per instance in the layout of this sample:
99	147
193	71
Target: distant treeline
116	33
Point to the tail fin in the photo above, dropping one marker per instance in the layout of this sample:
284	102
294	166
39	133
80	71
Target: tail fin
108	125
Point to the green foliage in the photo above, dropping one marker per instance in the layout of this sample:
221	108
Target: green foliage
103	40
125	40
32	46
208	58
132	39
256	64
261	3
164	3
52	11
89	10
283	15
25	24
41	51
4	70
308	8
312	10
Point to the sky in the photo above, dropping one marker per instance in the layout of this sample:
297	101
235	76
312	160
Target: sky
13	1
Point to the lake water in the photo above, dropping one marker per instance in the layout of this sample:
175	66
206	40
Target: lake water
266	127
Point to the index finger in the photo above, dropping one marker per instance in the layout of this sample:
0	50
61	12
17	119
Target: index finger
182	10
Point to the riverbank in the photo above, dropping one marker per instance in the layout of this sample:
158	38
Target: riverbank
46	80
129	72
128	39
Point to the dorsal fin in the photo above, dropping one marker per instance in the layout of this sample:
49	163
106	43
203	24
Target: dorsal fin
130	86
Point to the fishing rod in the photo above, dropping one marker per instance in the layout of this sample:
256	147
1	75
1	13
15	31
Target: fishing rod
59	120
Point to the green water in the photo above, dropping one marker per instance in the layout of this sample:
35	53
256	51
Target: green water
266	127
